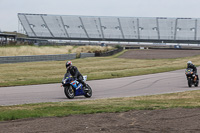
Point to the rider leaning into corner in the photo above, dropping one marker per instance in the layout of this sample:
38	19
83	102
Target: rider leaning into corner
73	70
192	66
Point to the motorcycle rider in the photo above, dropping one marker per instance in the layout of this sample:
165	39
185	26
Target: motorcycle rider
192	66
73	70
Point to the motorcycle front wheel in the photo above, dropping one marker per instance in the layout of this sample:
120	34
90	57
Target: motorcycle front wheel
88	94
69	92
189	82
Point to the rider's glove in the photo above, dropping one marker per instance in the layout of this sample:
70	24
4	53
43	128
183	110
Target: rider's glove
193	75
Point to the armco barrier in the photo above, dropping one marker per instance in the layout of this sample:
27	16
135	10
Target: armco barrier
34	58
84	55
60	57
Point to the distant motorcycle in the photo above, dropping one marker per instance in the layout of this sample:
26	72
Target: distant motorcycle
73	88
191	77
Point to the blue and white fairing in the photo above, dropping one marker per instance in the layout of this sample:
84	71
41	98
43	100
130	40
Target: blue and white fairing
78	87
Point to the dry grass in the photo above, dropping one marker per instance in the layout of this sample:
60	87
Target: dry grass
48	50
95	68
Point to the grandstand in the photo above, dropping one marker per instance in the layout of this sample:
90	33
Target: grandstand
101	28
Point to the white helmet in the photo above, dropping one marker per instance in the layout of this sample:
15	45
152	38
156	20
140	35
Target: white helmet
189	62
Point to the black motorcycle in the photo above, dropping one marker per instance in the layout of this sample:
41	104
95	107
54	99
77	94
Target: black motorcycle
191	77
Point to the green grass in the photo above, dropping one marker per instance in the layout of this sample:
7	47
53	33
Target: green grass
95	68
190	99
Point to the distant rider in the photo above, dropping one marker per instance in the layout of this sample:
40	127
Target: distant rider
73	70
192	66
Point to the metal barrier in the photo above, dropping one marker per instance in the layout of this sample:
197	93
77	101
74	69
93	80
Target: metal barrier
60	57
84	55
35	58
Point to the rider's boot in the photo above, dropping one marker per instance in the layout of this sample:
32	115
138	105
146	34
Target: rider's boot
195	78
85	89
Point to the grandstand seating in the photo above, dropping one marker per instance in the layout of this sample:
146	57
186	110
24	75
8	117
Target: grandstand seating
74	27
148	28
92	25
95	27
166	28
26	25
129	27
110	27
54	25
185	29
198	29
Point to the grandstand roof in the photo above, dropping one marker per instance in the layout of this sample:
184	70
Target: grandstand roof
7	35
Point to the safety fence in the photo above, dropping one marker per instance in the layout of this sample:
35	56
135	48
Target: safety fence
85	55
60	57
35	58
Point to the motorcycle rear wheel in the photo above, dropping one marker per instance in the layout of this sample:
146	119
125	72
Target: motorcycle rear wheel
197	83
69	92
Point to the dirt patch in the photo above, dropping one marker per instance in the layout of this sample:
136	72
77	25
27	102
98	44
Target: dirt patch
158	54
158	121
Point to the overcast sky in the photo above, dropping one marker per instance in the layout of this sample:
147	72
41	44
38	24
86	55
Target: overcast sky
130	8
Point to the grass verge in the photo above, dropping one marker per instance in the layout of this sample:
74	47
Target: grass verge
190	99
95	68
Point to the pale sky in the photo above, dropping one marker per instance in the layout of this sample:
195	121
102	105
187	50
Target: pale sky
122	8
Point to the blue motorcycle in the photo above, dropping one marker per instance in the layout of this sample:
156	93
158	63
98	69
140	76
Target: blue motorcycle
73	88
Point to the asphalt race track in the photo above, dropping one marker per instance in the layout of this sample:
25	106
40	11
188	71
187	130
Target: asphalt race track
151	84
